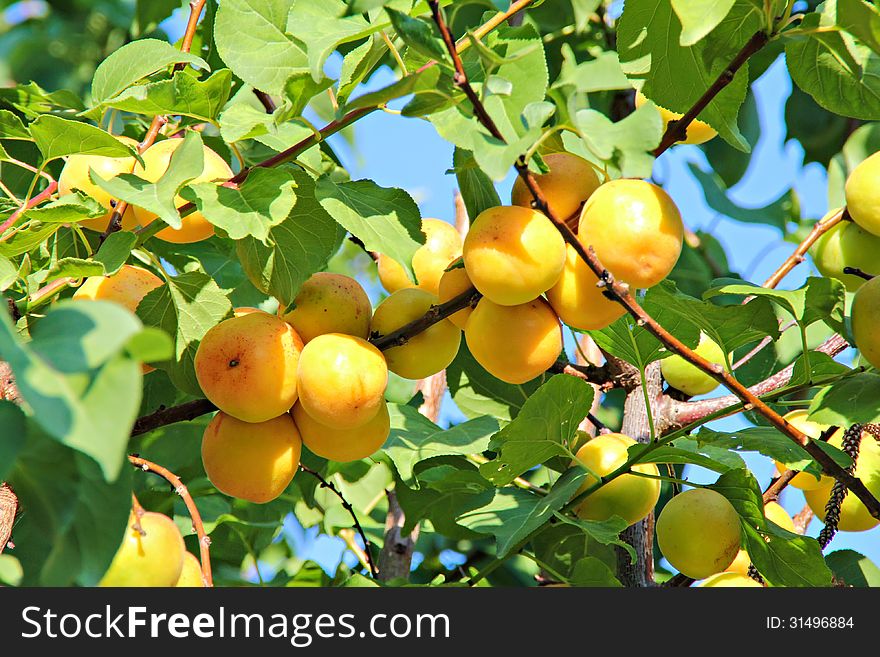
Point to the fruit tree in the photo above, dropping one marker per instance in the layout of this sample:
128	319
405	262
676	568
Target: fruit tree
215	330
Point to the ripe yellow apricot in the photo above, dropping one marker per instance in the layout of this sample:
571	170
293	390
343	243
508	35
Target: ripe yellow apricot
343	444
740	564
194	227
513	255
862	195
127	287
424	354
75	175
635	229
442	246
514	343
698	132
688	378
699	532
330	303
846	245
191	575
251	461
865	316
728	580
454	282
576	298
629	496
247	366
570	181
151	553
342	380
854	516
805	480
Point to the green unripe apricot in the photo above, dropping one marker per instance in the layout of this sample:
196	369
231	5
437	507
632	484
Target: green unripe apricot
847	245
688	378
866	320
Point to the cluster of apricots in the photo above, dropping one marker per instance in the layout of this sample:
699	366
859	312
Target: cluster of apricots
152	553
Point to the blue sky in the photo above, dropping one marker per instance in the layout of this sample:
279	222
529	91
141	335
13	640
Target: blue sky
400	152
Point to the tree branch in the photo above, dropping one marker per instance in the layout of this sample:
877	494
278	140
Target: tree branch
8	510
348	507
620	291
677	130
31	203
797	257
431	317
198	525
395	559
164	416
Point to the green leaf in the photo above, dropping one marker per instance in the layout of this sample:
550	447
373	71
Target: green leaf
477	189
635	344
543	429
13	428
419	34
699	17
778	213
562	546
387	220
849	401
625	145
114	252
262	201
358	64
32	100
79	390
300	88
837	71
861	19
57	137
414	83
730	327
675	76
782	558
185	308
414	438
853	569
134	61
513	513
590	571
70	208
75	520
251	37
819	299
476	392
8	273
74	268
322	26
766	440
11	127
187	162
301	245
677	455
183	94
149	13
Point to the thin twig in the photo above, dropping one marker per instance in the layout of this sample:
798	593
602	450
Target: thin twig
433	315
348	507
199	527
31	203
620	291
800	252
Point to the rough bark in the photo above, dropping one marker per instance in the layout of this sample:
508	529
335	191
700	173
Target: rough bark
8	509
395	560
641	534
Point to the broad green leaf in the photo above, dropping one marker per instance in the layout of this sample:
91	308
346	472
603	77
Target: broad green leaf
562	546
477	189
185	308
32	100
414	83
57	137
74	268
677	455
387	220
251	38
635	344
301	245
777	213
8	273
849	401
837	71
861	19
150	345
414	438
590	571
187	162
75	520
513	513
600	74
114	252
134	61
322	26
675	76
420	34
27	239
853	569
819	299
183	94
79	390
13	428
782	558
543	429
11	127
730	327
476	392
70	208
625	146
699	17
262	201
300	88
766	440
357	65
